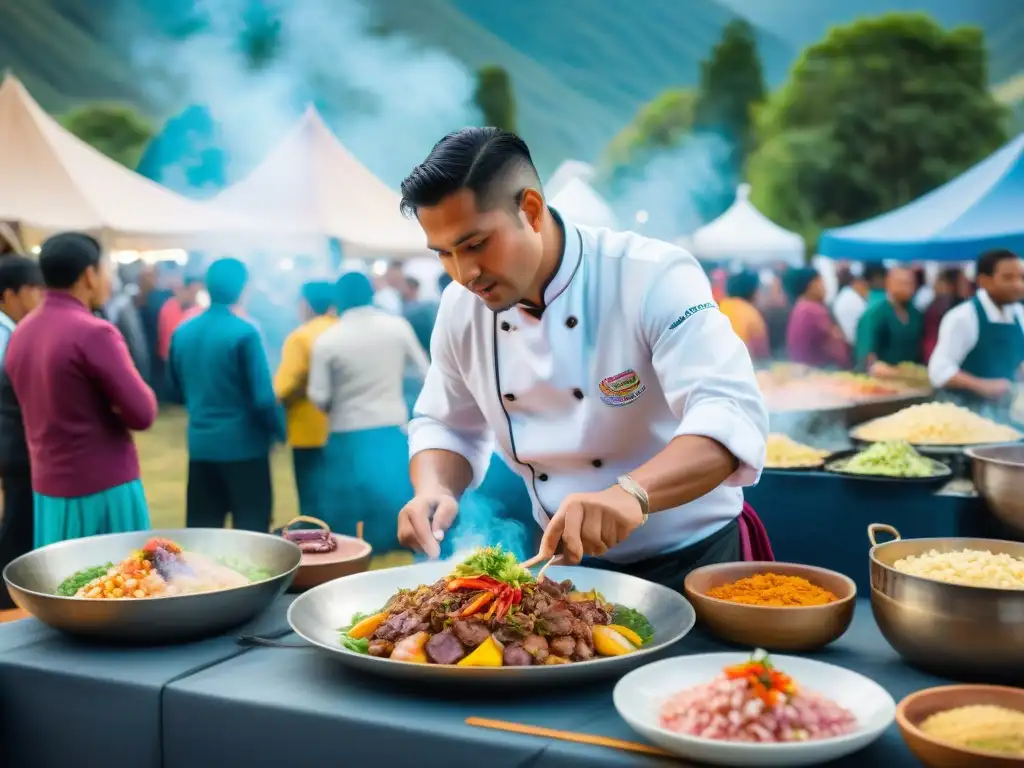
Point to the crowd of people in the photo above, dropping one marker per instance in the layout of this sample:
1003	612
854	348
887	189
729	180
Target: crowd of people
969	334
98	358
529	380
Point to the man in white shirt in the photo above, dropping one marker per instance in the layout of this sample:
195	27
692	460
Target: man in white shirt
597	361
981	342
853	298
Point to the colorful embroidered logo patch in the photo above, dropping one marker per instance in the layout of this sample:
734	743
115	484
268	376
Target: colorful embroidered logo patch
621	389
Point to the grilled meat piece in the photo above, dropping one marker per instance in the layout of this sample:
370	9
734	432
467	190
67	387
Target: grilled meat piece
381	648
583	651
444	648
556	620
536	646
564	646
590	612
470	633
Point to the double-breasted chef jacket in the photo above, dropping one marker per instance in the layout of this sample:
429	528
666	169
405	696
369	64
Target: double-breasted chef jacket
629	352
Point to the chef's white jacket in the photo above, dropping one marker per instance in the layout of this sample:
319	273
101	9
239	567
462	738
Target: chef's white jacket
630	352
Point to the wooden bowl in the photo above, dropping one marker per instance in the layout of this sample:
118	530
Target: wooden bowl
917	707
352	555
774	628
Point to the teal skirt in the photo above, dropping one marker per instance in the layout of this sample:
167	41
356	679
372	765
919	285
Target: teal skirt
119	509
366	480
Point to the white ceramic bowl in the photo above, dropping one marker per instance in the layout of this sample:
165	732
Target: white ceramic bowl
640	694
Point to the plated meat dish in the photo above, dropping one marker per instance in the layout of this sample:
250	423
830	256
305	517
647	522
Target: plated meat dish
491	612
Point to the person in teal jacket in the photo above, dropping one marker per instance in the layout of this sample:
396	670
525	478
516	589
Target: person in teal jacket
217	368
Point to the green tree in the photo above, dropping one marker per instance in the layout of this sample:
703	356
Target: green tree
495	97
877	114
731	88
116	130
660	125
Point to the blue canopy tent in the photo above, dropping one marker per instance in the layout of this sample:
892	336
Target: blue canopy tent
981	209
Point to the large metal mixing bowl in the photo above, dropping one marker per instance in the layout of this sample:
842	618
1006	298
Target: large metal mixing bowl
955	630
33	578
999	477
316	616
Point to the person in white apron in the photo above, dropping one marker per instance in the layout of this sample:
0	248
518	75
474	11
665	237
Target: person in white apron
598	362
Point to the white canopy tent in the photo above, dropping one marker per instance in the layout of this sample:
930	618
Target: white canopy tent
52	181
310	186
746	235
579	203
566	172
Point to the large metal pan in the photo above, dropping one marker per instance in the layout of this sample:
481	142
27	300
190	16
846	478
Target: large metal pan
33	578
316	616
998	476
956	630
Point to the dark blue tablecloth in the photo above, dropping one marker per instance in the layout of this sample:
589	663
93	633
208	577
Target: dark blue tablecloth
821	519
273	707
65	702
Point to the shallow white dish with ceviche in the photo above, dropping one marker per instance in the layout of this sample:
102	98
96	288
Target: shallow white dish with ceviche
754	710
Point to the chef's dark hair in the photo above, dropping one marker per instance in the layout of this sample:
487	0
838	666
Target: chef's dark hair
17	272
989	261
64	258
494	164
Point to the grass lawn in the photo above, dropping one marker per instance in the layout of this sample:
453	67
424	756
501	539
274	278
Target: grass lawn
165	469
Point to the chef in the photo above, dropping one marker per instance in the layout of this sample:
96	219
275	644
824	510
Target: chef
596	360
981	342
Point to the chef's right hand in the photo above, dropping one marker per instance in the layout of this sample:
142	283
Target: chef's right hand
994	389
423	521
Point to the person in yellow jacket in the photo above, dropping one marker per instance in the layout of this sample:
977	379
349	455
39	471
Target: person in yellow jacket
307	425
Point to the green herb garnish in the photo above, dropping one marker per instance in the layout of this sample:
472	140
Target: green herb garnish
356	644
498	564
634	620
70	586
361	645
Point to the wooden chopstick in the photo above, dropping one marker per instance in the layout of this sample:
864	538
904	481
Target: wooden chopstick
578	738
548	564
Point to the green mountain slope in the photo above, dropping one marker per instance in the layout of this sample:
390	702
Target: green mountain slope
55	53
801	22
580	68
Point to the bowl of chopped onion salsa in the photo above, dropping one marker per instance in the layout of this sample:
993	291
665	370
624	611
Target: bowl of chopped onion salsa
753	710
488	618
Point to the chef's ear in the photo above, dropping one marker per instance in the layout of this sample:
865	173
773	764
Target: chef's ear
532	205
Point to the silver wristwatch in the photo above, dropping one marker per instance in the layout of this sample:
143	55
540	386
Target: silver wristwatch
634	489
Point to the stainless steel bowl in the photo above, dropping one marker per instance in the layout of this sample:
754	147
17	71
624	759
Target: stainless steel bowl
999	477
33	578
958	631
316	616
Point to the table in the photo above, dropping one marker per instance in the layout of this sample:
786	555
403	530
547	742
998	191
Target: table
107	700
258	708
817	518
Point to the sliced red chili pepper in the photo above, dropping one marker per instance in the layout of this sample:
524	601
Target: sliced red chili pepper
506	603
474	583
517	596
477	604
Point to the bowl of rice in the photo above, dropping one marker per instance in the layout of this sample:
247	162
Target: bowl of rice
981	726
954	606
740	710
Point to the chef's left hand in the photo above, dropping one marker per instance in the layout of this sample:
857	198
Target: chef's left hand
591	524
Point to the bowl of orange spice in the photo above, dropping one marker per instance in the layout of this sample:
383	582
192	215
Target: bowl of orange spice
777	606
